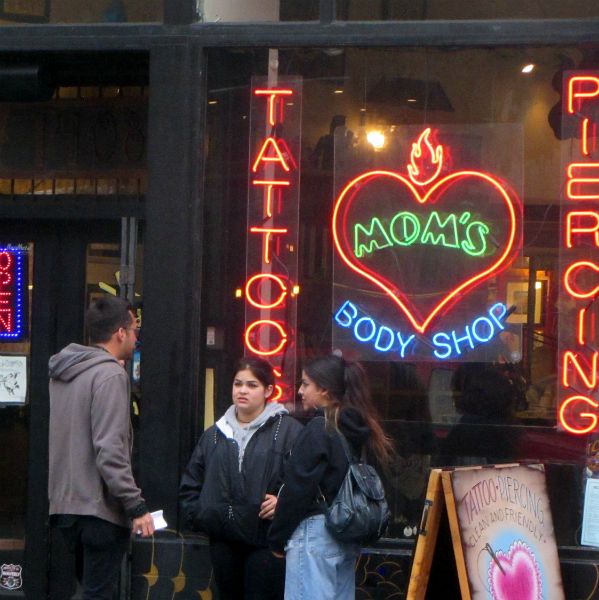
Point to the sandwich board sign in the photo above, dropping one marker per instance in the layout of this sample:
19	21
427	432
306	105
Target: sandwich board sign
501	530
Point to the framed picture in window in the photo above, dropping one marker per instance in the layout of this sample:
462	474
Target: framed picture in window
13	379
517	296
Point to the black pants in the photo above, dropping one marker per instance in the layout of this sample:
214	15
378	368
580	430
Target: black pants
99	547
245	572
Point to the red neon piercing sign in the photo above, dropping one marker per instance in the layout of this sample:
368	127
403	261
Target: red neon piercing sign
579	263
273	229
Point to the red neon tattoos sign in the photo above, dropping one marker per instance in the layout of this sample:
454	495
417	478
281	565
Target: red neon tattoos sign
578	407
425	242
273	201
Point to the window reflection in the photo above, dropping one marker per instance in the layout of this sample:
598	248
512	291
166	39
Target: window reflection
14	444
74	11
406	10
231	11
349	94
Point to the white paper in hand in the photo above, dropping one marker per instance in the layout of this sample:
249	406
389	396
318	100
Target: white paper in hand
159	522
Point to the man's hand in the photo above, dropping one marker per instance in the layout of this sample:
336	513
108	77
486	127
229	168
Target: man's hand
267	508
277	554
143	526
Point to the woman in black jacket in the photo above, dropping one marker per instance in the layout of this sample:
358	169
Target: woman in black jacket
318	566
229	489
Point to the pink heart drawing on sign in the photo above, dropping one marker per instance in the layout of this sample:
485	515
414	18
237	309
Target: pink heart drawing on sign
518	578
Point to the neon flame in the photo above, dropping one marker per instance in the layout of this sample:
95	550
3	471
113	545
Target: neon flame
348	194
433	156
260	304
588	94
258	350
586	415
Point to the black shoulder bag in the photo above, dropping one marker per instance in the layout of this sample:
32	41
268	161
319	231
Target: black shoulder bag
359	513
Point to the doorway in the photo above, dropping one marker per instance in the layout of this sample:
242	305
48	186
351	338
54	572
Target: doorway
65	265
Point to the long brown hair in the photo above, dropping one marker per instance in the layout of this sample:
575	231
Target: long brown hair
347	385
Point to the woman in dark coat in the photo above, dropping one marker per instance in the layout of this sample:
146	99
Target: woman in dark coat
318	566
230	486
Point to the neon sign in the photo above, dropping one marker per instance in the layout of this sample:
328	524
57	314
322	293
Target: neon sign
13	293
406	228
273	201
579	263
422	244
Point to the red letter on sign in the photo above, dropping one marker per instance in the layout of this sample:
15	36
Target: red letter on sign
6	311
577	193
258	325
266	242
591	217
272	98
591	416
582	86
269	185
570	274
263	278
570	357
270	142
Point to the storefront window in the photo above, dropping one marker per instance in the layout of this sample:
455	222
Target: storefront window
416	10
14	397
497	113
269	10
72	11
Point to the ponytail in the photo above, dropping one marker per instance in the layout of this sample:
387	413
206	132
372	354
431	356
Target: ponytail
347	384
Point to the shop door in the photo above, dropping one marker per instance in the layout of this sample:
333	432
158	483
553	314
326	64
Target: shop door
64	265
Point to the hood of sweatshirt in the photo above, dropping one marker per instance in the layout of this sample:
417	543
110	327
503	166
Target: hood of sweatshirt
229	425
74	359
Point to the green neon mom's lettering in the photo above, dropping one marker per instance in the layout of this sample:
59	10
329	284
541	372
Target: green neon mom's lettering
407	228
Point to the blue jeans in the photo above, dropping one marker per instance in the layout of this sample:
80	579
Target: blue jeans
318	566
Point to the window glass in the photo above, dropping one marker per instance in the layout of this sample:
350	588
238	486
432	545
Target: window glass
497	408
72	11
111	120
14	410
257	11
405	10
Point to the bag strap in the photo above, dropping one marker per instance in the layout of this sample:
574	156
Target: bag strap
350	459
348	454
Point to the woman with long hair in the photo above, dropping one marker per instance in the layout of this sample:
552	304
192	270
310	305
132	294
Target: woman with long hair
318	566
229	489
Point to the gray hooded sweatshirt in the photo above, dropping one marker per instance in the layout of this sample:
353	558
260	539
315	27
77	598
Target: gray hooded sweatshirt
90	437
231	427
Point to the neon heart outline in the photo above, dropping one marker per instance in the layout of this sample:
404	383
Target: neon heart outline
496	267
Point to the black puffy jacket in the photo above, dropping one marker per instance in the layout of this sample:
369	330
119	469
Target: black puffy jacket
317	467
221	500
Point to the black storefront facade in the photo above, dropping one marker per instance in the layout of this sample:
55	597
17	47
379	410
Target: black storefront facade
124	168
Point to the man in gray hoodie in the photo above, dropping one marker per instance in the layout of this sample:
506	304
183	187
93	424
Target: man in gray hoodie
93	496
